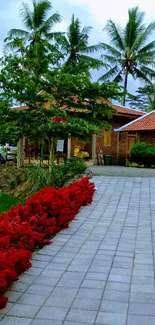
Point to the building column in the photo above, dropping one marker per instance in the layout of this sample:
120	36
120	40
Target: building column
94	149
69	148
20	153
117	147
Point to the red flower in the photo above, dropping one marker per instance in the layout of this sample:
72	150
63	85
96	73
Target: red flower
24	228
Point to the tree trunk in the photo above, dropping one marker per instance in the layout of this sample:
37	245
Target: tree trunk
125	86
51	150
20	153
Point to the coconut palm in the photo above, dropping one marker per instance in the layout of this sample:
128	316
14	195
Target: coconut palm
129	53
74	45
38	24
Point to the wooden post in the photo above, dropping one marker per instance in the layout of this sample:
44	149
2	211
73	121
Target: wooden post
117	147
20	153
69	148
94	149
51	155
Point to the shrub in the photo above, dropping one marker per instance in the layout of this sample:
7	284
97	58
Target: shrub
143	153
59	175
27	227
133	164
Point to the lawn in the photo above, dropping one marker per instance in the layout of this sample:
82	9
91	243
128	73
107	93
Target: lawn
6	201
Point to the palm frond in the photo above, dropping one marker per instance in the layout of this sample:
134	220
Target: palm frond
110	49
91	49
110	59
147	48
57	36
27	16
134	26
84	34
146	58
140	74
148	71
91	61
40	11
48	24
115	33
18	33
63	42
109	74
143	36
16	44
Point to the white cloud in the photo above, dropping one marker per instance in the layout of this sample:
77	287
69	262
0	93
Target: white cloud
116	10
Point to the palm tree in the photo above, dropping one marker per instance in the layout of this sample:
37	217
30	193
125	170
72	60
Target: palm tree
74	45
144	98
38	25
129	52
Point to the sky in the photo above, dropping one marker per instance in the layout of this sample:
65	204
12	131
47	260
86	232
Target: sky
93	13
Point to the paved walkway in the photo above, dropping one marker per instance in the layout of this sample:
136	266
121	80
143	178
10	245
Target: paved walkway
100	270
122	171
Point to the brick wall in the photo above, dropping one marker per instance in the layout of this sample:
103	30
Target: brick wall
116	123
148	136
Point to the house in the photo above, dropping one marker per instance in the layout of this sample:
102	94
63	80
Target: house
108	141
142	129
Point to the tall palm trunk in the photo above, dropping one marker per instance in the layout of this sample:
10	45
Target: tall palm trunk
125	86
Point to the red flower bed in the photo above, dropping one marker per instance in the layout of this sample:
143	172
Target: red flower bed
26	227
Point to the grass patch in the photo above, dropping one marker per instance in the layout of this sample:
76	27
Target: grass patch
7	201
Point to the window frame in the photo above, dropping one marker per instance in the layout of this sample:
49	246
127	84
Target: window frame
109	132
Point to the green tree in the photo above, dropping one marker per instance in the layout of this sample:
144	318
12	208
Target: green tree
76	49
144	98
38	25
67	107
129	52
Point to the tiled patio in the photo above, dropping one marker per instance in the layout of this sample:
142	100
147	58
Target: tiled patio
100	270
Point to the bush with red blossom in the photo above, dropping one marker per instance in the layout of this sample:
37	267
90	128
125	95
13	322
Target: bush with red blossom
27	227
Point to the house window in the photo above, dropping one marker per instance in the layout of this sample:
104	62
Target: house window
107	138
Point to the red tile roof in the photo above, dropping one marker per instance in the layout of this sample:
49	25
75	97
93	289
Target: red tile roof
121	110
143	123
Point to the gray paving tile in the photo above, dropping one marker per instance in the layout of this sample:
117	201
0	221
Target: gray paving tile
45	322
53	313
118	286
111	318
63	292
22	310
114	307
142	288
74	323
140	320
96	276
13	296
142	309
15	321
58	301
30	299
119	278
80	315
113	295
40	289
90	293
142	297
87	304
93	284
45	281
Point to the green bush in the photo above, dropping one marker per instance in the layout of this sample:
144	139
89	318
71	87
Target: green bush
143	153
59	175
